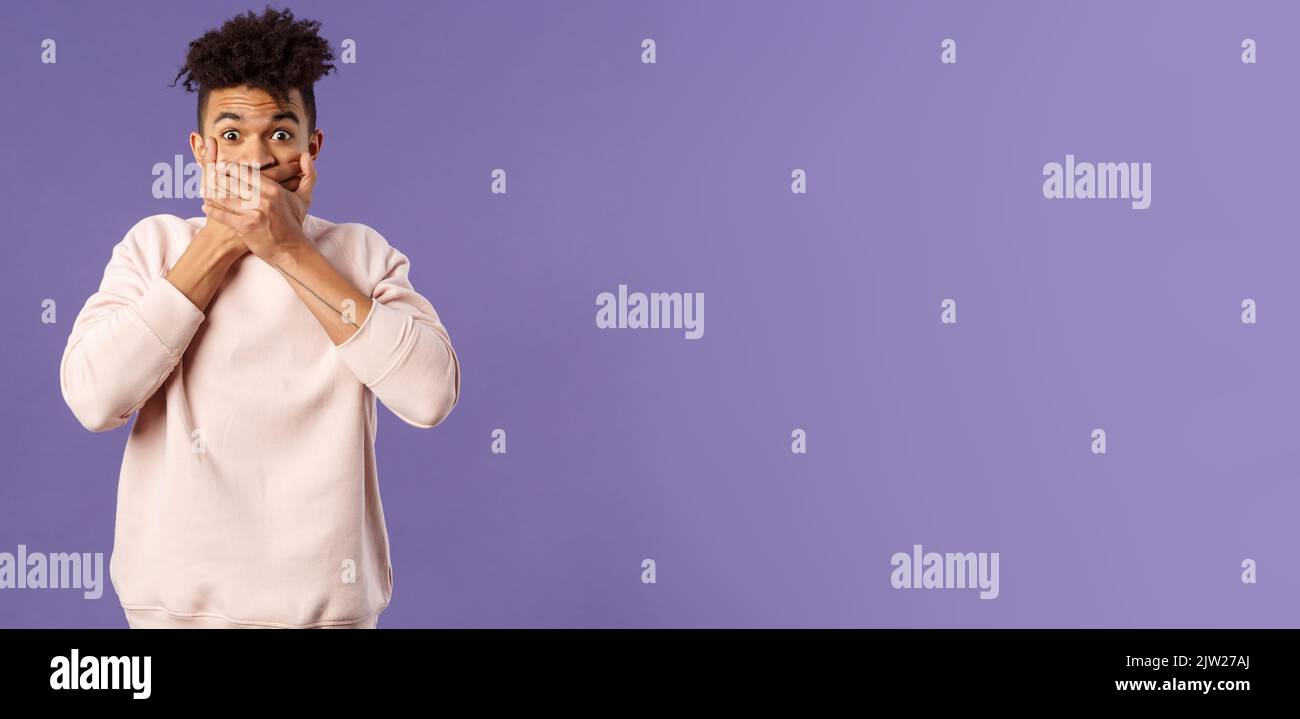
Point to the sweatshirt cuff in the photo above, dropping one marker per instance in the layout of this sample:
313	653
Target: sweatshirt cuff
372	351
170	314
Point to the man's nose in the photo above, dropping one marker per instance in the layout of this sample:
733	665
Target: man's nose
256	151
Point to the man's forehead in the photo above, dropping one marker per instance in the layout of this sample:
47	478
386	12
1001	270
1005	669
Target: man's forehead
252	103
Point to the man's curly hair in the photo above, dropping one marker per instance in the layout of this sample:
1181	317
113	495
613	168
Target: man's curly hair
272	52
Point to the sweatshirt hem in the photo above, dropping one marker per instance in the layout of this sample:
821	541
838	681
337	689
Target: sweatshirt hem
151	616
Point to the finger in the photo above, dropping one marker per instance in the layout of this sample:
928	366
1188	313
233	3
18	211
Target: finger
286	176
213	183
209	162
291	183
242	181
284	172
246	186
217	178
214	179
215	224
225	216
229	169
308	182
222	205
222	184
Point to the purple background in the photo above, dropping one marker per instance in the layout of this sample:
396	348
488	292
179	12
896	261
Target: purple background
822	310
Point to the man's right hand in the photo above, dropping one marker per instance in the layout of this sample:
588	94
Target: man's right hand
212	233
215	248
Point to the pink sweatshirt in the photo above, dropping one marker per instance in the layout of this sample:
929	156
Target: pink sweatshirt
248	494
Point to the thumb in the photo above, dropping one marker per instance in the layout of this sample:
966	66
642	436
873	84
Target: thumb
209	166
308	181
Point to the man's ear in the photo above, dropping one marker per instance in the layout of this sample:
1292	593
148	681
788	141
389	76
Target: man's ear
315	143
196	146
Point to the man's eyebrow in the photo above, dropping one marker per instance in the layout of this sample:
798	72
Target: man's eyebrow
286	115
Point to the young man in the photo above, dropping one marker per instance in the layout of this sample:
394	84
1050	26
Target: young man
251	344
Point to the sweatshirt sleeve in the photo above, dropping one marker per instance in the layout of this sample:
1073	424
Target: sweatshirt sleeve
402	351
130	334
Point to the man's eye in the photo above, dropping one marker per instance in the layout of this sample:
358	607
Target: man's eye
227	135
278	133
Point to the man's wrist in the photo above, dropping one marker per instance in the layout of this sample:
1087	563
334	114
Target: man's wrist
224	247
219	250
287	255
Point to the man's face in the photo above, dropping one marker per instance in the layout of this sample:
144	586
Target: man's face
250	126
